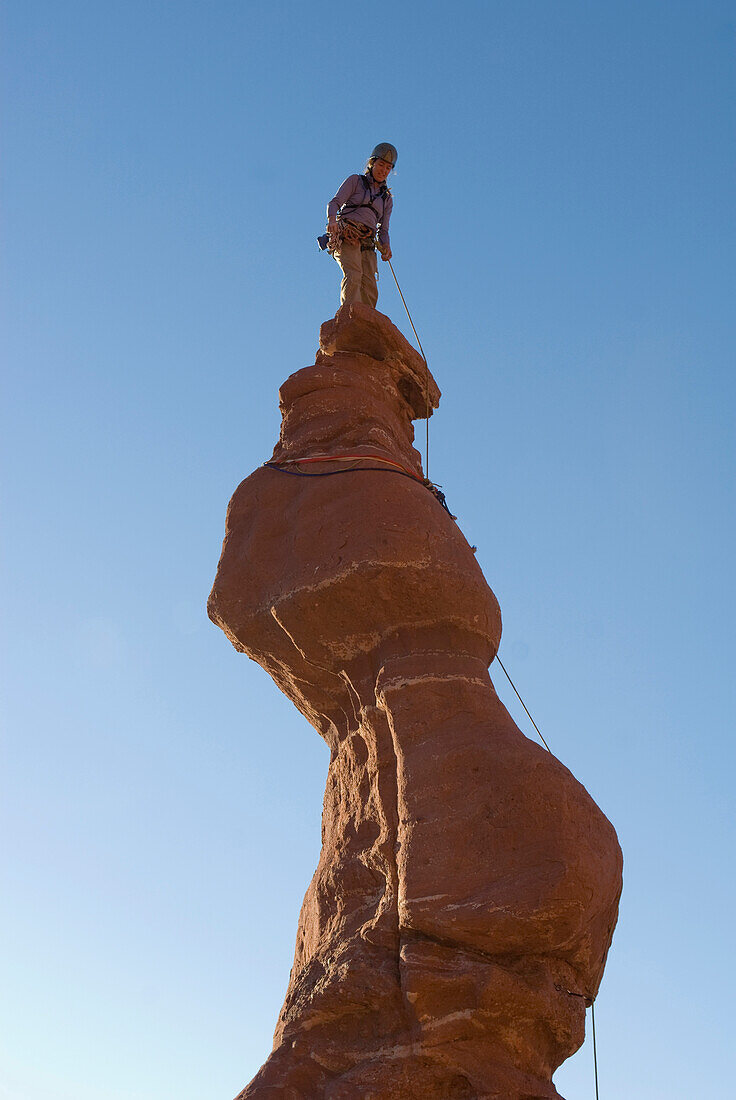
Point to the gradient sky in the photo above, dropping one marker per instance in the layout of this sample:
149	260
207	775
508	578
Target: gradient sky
564	234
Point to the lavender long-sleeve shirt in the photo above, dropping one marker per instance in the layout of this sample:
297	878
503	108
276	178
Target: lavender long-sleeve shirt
354	190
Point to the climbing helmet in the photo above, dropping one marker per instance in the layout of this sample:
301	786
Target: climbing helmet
385	151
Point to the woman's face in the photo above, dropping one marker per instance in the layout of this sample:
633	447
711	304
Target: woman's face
381	169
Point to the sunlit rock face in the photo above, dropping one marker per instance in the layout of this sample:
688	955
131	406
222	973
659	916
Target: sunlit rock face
467	889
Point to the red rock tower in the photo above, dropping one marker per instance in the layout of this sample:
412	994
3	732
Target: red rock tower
467	889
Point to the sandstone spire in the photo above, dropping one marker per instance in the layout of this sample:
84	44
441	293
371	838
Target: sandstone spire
468	886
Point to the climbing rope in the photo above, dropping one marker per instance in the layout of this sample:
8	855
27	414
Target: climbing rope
595	1054
435	490
523	704
346	458
426	364
572	994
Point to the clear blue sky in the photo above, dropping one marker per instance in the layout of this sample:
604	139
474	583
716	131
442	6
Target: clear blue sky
564	233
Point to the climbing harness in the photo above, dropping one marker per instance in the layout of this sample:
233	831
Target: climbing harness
383	193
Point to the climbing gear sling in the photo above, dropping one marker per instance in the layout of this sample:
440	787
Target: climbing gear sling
352	233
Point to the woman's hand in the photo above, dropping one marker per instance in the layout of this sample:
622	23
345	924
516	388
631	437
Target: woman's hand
386	253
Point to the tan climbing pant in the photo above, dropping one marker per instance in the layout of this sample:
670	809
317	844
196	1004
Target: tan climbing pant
359	274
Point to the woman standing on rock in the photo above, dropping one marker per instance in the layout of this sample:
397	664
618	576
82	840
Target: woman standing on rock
360	210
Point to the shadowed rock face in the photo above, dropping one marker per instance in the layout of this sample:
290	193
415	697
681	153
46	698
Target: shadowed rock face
468	886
